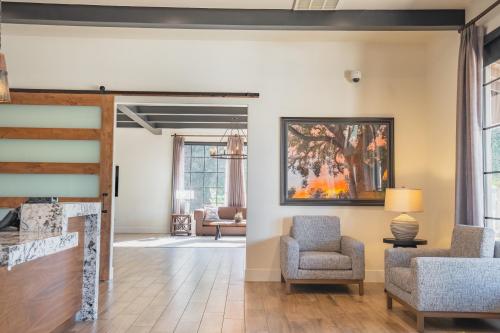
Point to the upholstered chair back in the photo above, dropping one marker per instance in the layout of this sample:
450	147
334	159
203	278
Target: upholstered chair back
317	233
472	242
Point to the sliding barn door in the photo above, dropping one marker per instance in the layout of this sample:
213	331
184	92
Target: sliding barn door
59	145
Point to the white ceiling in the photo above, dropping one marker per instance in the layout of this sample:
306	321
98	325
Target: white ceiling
275	4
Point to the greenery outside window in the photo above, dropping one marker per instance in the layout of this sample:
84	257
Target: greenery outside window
203	175
491	144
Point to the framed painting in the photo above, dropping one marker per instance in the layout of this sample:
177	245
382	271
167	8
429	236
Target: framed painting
336	161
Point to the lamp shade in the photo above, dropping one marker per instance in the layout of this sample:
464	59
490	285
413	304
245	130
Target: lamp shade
184	195
403	200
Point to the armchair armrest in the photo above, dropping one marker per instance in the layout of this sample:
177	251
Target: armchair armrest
457	284
401	257
199	216
289	257
355	249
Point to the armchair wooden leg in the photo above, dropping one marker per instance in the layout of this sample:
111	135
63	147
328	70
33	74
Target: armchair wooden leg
282	279
389	301
361	289
288	287
420	322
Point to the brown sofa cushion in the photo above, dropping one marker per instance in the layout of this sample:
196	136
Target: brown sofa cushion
227	213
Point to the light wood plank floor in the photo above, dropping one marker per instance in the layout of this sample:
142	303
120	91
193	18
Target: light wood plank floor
159	290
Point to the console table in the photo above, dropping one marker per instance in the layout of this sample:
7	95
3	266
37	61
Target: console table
181	223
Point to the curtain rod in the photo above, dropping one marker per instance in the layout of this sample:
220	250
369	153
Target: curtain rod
480	16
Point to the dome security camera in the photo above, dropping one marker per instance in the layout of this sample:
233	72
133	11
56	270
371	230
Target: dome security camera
354	76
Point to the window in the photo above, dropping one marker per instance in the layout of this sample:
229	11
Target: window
203	175
491	144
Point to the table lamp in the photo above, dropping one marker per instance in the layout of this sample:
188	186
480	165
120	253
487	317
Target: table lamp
404	200
185	197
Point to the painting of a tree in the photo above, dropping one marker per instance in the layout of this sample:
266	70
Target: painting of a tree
336	160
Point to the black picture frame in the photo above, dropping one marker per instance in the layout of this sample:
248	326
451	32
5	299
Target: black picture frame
285	121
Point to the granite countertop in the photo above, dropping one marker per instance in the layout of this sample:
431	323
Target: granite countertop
17	247
44	230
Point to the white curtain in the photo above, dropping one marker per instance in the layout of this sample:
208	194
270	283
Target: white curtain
177	174
235	184
469	201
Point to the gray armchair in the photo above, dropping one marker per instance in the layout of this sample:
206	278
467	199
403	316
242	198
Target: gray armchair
316	253
463	281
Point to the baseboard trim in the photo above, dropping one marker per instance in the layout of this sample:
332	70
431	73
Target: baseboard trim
374	275
263	275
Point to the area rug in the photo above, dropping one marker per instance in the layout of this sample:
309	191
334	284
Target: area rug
178	241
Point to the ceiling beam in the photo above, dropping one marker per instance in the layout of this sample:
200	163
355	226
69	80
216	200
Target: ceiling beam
128	124
189	118
231	19
190	109
141	122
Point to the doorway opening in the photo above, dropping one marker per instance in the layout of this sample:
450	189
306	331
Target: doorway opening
175	185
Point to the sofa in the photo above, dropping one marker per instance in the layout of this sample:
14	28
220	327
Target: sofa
463	281
226	215
316	253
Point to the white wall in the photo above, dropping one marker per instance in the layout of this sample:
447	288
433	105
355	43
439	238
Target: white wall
441	84
301	76
145	202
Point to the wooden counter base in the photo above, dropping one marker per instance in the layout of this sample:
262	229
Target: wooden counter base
43	294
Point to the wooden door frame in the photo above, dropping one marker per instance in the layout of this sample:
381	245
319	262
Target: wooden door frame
104	167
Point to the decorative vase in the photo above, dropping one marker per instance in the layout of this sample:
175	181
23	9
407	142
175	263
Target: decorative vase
404	227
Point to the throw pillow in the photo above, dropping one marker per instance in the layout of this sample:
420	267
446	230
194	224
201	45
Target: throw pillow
238	217
211	213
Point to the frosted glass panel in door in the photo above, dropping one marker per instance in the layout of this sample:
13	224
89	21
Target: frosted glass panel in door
42	185
48	116
70	151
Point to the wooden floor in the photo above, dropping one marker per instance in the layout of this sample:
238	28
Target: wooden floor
203	290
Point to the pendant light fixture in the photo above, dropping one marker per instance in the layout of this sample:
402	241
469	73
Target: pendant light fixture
234	150
4	83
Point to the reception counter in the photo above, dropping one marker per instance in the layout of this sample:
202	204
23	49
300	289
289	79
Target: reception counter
49	269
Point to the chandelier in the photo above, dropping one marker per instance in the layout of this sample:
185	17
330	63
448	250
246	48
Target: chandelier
234	150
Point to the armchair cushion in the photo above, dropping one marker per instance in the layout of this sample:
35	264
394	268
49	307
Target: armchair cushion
401	277
472	242
324	260
317	233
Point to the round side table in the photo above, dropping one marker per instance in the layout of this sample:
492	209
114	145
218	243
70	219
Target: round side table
405	243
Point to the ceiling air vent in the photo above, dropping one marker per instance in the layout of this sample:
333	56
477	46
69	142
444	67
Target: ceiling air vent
315	4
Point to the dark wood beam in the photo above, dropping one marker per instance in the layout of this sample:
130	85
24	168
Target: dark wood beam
236	19
121	124
189	118
138	120
190	110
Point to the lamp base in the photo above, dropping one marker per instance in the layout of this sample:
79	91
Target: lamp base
404	227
